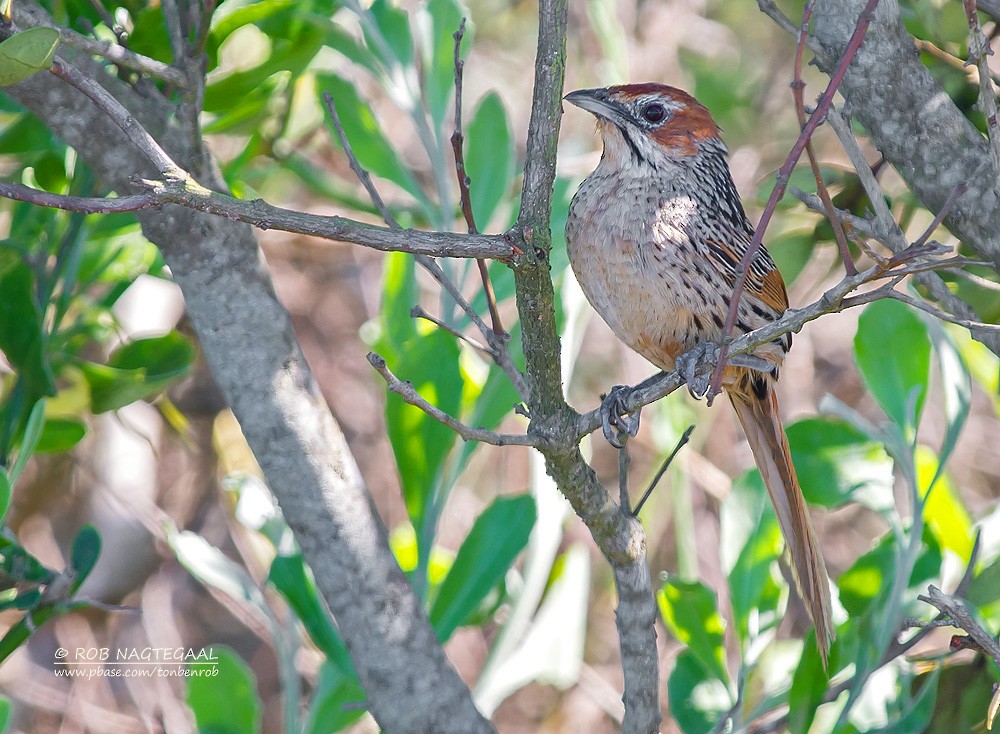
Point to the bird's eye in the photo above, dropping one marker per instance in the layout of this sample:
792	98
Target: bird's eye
654	112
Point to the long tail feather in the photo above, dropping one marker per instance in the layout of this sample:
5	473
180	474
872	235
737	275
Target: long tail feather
758	414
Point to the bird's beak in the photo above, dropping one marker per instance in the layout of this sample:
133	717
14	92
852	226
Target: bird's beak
598	102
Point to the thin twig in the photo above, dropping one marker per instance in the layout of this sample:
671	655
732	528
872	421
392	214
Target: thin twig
798	87
457	147
123	58
356	167
418	312
955	610
857	37
410	395
662	470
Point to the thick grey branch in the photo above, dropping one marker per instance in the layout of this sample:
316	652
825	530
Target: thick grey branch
911	119
247	339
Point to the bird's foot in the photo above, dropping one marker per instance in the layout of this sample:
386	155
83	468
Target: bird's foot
696	366
615	416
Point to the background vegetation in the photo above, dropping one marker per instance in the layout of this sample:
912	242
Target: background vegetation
134	458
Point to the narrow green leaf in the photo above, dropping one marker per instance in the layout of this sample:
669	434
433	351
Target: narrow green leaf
751	543
5	494
985	587
399	295
391	39
698	699
893	352
956	388
420	443
83	557
29	440
489	158
335	702
809	682
944	512
487	553
22	334
27	53
295	581
5	714
834	461
692	616
439	56
222	695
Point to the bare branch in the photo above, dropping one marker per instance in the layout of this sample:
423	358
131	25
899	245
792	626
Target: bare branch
457	143
409	394
798	87
262	215
955	611
123	58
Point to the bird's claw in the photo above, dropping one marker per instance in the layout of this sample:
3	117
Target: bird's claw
693	366
614	415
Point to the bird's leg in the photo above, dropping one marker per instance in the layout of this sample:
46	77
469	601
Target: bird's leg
614	415
696	365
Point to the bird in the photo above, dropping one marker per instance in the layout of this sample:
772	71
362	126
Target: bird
655	236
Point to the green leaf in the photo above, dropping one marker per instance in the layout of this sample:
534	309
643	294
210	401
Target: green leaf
335	702
956	388
295	581
372	148
985	587
809	682
791	251
287	56
692	616
399	295
698	699
139	370
420	443
751	543
944	512
22	332
870	578
893	352
834	461
222	694
487	553
5	714
5	494
391	40
83	557
439	57
60	435
27	53
489	158
29	440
